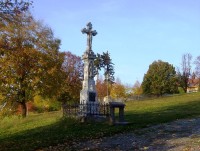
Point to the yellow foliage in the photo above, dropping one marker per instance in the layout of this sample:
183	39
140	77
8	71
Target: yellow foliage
118	91
46	104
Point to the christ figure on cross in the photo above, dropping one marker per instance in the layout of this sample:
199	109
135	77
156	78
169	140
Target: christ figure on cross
89	33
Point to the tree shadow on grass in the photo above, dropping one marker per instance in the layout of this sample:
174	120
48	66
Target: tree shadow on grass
34	138
68	131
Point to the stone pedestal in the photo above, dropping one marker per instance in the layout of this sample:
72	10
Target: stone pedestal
88	92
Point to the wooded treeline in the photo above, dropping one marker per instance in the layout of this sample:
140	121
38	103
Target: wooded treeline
32	66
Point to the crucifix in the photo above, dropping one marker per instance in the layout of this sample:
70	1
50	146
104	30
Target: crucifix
89	33
88	94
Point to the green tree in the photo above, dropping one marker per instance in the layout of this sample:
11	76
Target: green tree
109	70
108	67
30	62
104	61
98	63
160	79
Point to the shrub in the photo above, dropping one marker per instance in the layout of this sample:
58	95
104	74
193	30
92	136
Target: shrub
46	104
180	90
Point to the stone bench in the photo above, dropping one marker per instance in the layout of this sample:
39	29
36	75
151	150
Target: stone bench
121	106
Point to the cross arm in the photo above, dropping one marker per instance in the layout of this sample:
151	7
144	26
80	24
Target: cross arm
84	30
94	33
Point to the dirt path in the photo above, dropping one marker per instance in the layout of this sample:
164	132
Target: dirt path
181	135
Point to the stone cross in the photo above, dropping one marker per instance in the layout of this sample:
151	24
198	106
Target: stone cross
88	94
89	33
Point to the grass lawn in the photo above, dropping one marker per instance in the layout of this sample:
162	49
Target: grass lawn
42	130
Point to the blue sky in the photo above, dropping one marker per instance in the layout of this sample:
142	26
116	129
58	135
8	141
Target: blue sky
135	32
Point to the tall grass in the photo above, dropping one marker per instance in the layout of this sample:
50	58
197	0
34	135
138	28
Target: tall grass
41	130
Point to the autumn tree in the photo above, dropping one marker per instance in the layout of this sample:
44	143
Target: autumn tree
137	89
72	85
185	72
118	90
8	9
101	88
128	90
30	62
160	79
13	7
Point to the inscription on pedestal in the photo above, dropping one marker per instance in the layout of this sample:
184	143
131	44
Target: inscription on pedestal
92	96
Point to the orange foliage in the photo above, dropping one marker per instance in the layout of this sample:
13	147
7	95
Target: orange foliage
101	88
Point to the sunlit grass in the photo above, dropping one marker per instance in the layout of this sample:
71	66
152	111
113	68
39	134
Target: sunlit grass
41	130
163	109
16	124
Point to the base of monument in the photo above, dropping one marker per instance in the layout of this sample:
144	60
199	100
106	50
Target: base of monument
93	118
121	123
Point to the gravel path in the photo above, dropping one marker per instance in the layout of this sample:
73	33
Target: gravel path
181	135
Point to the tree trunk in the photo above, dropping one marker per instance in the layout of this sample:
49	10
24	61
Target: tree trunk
185	88
199	86
24	109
